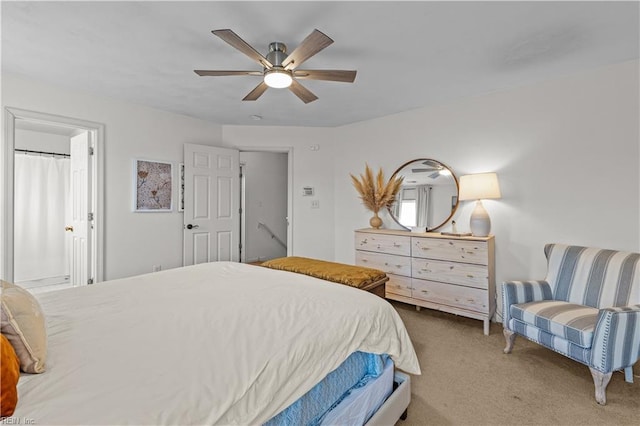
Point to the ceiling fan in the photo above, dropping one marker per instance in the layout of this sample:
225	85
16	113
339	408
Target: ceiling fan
436	168
279	69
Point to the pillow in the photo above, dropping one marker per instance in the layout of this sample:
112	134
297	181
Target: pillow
4	284
22	322
9	375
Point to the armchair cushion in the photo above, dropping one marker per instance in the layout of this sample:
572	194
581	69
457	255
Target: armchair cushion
551	341
568	321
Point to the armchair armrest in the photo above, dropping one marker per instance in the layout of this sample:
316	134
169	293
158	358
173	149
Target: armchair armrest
514	292
616	344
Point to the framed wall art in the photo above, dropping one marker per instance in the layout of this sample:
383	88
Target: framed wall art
153	186
181	188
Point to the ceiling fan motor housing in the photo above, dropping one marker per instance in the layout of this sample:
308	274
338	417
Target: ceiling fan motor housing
277	53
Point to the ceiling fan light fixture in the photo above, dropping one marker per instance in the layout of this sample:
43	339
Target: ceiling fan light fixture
278	79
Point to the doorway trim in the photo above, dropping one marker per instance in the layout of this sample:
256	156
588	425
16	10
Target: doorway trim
283	150
7	185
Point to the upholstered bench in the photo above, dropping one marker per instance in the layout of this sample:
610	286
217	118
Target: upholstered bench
368	279
587	308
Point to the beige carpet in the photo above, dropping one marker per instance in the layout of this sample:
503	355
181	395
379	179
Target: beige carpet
467	380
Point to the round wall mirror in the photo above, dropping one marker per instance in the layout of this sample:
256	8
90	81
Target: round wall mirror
428	197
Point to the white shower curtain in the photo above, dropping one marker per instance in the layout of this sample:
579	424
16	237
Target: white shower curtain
41	211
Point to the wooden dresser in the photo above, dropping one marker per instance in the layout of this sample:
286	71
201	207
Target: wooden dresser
431	270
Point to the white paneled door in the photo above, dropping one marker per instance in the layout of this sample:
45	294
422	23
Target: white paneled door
211	204
80	209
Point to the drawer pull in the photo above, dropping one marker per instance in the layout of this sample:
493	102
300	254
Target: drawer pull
365	260
426	270
425	248
451	267
469	276
396	245
378	246
386	264
470	300
425	291
398	266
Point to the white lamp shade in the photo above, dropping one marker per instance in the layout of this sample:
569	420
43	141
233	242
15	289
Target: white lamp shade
479	186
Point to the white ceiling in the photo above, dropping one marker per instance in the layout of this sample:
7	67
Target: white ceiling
407	54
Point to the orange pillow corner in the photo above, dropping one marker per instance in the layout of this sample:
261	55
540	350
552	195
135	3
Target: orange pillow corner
9	376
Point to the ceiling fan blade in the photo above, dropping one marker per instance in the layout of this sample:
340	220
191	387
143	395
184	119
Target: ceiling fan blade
328	75
234	40
423	170
315	42
215	73
257	92
302	92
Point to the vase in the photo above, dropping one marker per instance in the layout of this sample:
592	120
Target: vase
375	221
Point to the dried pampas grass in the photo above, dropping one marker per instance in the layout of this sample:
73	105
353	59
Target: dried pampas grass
375	193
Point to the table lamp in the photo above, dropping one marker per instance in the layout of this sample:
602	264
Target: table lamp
478	187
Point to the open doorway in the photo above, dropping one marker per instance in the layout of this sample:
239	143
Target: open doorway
42	165
265	206
51	226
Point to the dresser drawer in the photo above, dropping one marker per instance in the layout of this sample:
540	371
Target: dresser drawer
390	264
398	285
452	250
450	272
472	299
391	244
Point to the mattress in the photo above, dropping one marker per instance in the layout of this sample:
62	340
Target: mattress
358	369
357	407
215	343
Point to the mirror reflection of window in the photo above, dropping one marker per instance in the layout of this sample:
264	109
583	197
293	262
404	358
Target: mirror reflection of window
408	212
406	206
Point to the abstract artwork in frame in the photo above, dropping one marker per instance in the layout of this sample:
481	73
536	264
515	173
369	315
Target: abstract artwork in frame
153	183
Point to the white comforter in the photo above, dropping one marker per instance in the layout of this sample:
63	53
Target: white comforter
216	343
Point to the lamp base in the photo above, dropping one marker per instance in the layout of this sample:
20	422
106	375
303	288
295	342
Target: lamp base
480	223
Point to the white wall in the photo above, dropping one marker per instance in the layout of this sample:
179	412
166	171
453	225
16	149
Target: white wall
566	153
265	187
134	242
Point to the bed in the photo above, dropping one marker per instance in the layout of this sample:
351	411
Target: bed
215	343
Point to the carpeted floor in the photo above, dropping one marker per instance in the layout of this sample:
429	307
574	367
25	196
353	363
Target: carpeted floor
467	380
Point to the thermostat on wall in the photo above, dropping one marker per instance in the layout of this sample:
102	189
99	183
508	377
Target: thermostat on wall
307	191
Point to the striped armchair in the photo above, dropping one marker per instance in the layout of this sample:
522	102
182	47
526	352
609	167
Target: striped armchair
587	308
